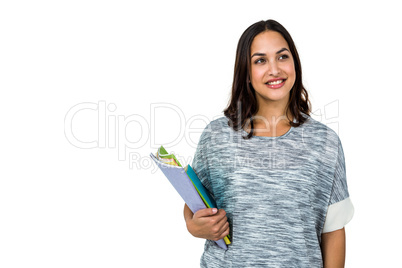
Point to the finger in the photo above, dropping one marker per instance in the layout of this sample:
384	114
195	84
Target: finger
205	212
224	228
221	215
218	230
222	221
225	232
222	233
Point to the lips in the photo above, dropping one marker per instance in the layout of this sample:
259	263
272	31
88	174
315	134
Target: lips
276	83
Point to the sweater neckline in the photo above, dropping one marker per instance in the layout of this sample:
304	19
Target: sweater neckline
244	132
270	137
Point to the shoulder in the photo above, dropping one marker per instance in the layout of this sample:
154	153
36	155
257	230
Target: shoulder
216	126
318	137
318	130
217	133
219	123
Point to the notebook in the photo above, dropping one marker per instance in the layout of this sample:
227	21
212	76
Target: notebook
187	184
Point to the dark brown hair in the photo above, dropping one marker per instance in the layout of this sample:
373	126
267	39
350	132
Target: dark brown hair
243	102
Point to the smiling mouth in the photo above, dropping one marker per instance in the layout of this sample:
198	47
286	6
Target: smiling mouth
277	82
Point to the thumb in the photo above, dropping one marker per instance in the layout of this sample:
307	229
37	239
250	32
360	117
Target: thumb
205	212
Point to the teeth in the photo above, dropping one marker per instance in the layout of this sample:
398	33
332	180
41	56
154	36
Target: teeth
275	82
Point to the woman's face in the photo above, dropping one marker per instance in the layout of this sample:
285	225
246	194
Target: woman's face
272	69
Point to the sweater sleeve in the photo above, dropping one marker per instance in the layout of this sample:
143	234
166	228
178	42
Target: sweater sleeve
340	208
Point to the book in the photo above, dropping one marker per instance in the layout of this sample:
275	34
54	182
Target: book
187	184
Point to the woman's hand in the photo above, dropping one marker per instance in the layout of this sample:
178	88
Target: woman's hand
208	223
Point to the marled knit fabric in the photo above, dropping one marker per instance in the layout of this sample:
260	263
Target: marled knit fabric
275	190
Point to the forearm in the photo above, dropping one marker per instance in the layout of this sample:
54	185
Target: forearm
188	214
333	246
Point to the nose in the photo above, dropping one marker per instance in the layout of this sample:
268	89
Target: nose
273	69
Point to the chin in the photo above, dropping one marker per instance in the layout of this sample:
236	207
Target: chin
276	97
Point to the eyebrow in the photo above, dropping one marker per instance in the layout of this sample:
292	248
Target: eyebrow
263	54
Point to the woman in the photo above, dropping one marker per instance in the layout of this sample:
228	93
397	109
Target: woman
278	175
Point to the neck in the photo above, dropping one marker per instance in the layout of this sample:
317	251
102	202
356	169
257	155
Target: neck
273	113
270	120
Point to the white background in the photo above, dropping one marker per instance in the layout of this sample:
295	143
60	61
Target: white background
65	206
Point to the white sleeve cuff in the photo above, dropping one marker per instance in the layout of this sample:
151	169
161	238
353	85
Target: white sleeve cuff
338	215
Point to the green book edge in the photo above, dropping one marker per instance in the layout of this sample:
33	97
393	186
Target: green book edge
164	154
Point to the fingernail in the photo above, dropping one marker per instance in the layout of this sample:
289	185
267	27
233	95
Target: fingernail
214	210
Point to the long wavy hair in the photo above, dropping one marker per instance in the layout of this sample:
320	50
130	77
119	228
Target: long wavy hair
243	102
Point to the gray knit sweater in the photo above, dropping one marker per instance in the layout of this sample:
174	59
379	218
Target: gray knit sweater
280	193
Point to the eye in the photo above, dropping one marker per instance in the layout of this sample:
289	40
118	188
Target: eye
283	57
260	60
